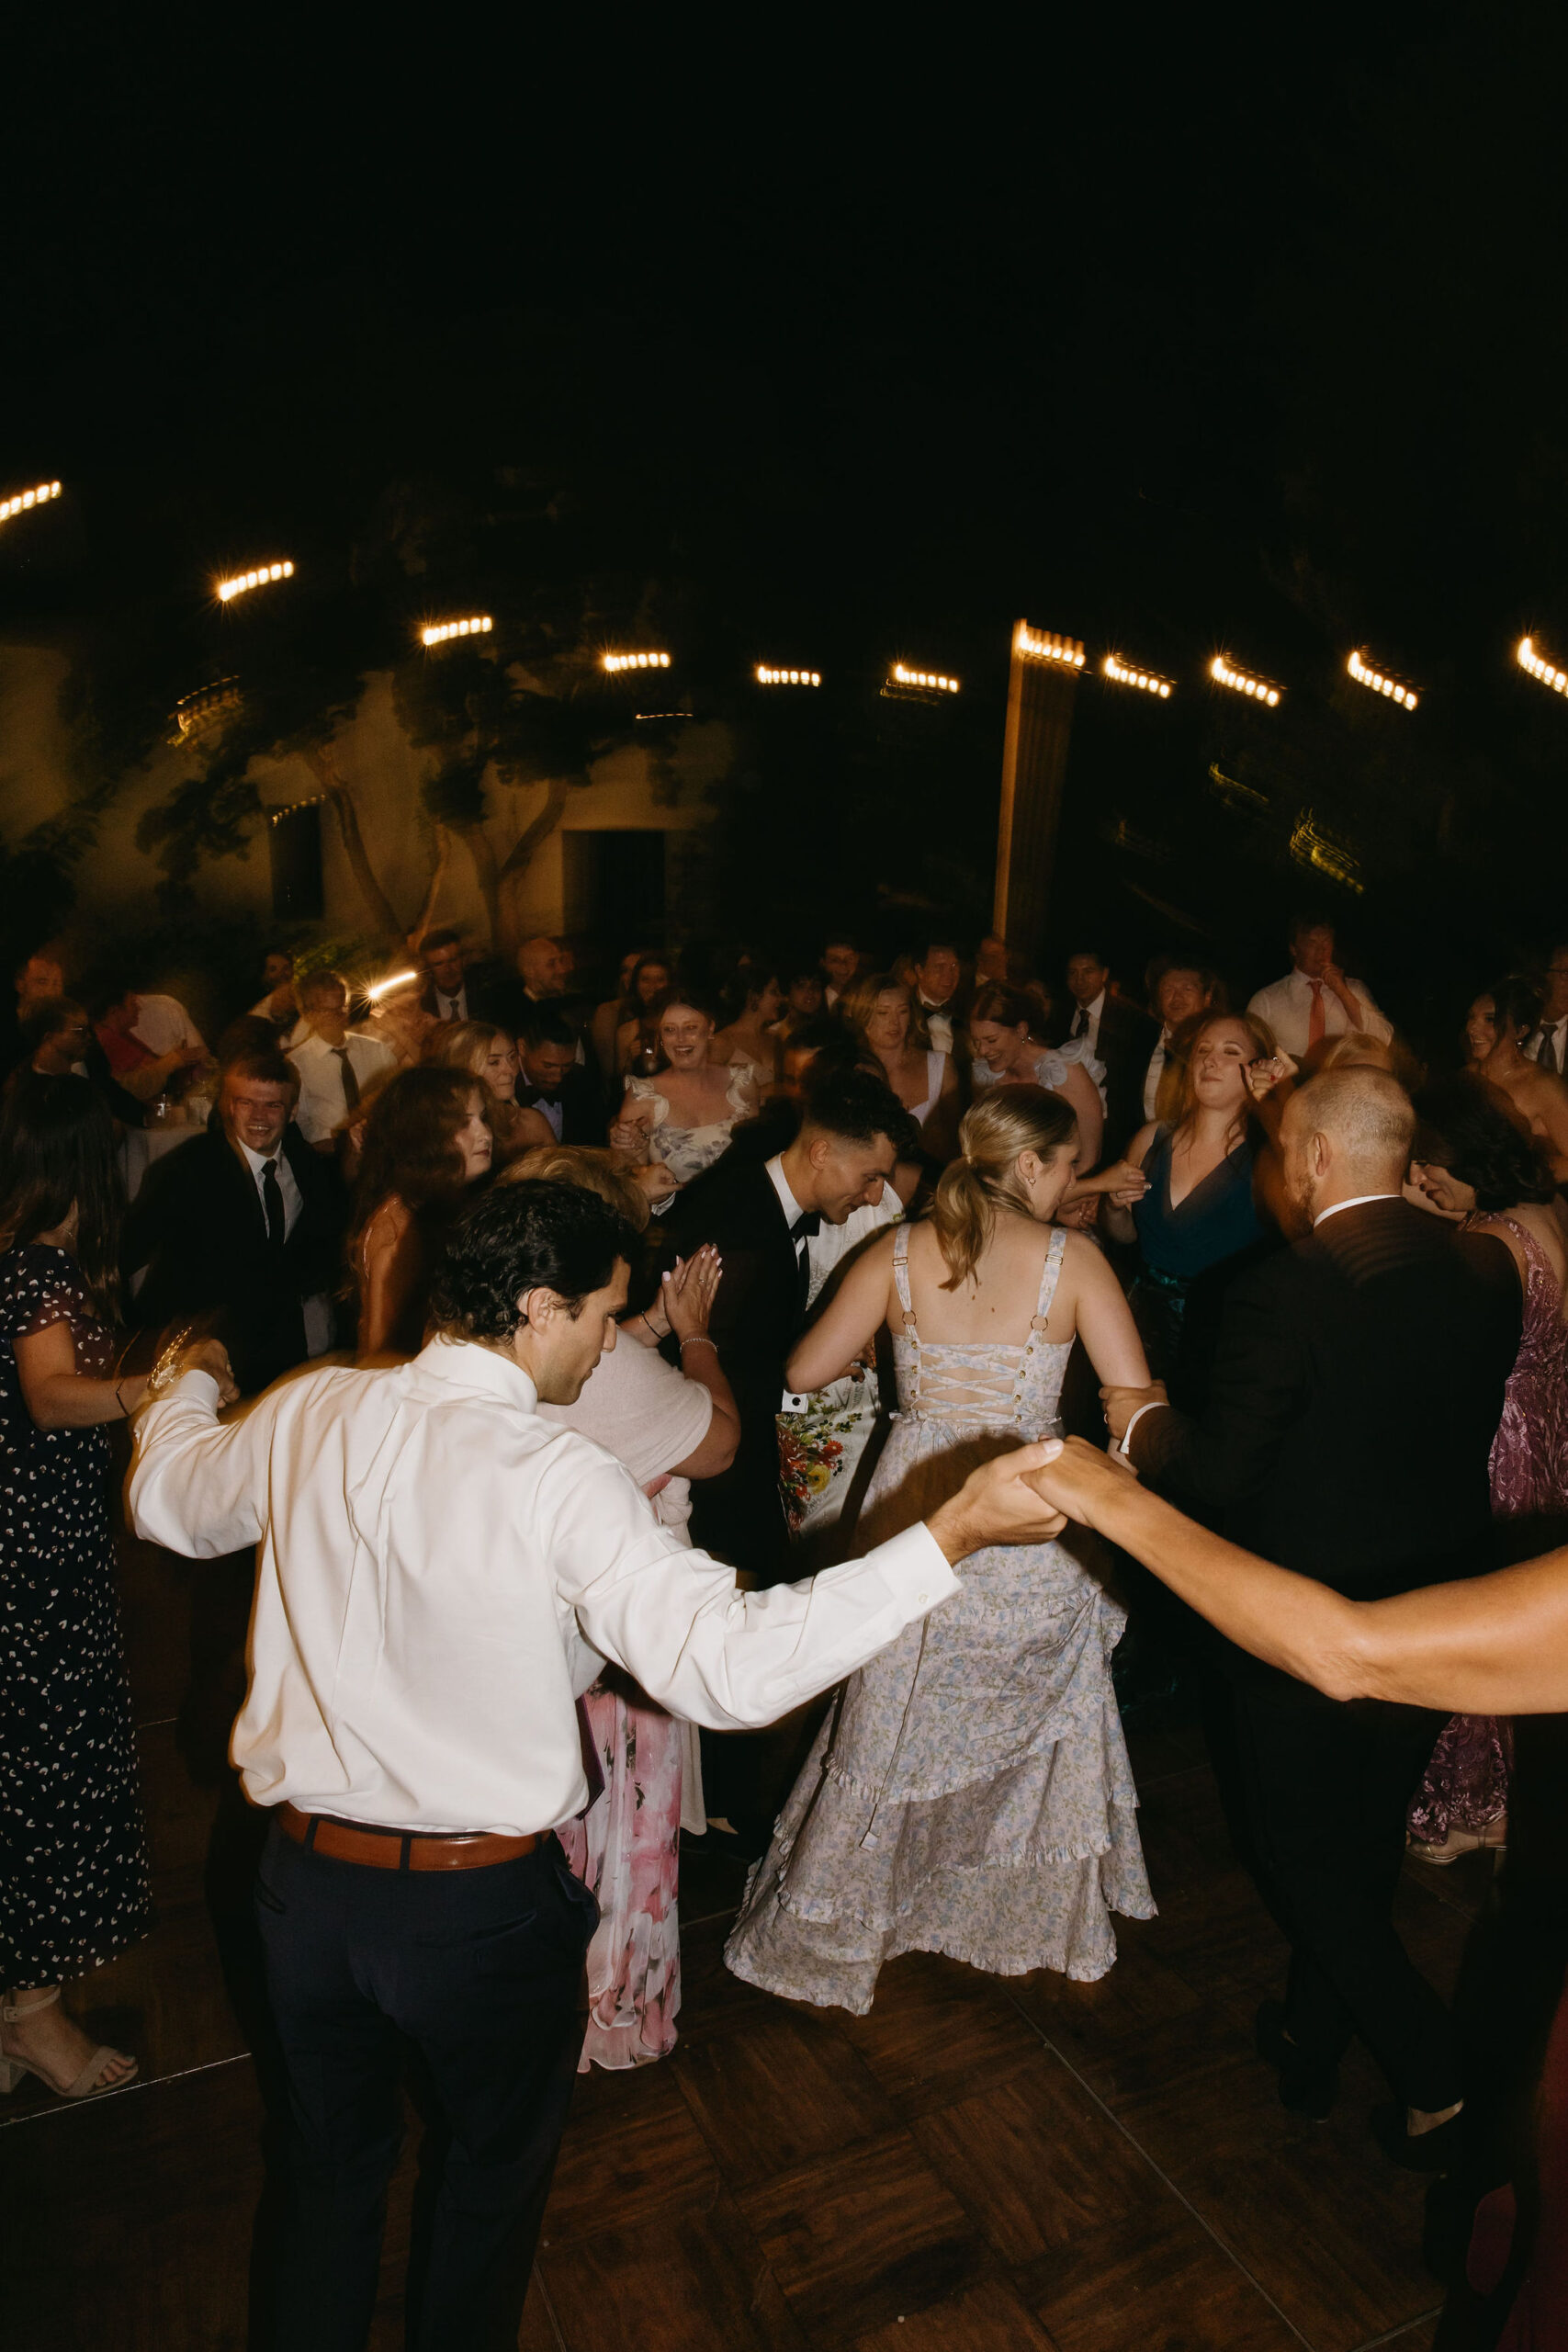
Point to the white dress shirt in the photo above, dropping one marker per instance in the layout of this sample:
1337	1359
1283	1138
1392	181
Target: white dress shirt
440	1573
163	1024
321	1108
1558	1032
318	1308
939	1023
450	1008
1286	1005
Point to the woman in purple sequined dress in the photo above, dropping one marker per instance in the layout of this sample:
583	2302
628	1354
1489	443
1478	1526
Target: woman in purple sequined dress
1475	1163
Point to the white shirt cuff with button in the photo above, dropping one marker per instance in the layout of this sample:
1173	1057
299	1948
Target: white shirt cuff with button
1155	1405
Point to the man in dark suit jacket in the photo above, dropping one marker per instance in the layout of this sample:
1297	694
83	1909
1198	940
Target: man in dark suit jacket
1356	1392
553	1081
760	1214
244	1222
455	989
1119	1035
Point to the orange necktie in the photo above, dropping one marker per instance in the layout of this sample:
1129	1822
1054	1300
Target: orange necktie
1318	1019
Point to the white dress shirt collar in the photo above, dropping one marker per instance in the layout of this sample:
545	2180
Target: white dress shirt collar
467	1364
787	1202
1358	1202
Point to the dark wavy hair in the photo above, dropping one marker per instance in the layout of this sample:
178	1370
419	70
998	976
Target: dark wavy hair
536	1235
1517	1000
856	1107
1472	1129
411	1146
56	1154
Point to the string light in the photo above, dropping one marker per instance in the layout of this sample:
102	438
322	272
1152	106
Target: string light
26	498
1312	845
927	679
195	712
1530	660
394	980
1149	681
243	580
1375	682
1240	682
1046	645
766	677
614	662
480	625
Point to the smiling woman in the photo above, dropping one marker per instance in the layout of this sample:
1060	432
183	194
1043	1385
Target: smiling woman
674	1126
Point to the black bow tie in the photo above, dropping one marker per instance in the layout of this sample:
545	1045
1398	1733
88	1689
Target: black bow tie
807	1223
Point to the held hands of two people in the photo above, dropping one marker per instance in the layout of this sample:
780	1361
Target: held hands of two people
1078	1480
997	1503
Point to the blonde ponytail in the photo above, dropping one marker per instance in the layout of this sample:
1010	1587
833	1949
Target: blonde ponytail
1005	1122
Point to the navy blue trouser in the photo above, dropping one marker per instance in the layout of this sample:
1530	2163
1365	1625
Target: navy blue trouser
481	1970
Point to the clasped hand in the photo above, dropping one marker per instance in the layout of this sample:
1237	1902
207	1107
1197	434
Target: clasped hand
1120	1404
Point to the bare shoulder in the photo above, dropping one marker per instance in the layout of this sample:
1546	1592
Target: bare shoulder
1137	1151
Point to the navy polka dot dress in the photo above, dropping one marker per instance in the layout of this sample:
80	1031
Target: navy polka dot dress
74	1887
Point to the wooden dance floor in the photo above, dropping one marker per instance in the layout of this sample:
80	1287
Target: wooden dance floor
989	2165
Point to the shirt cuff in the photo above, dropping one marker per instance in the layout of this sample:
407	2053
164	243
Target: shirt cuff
914	1566
199	1387
1155	1405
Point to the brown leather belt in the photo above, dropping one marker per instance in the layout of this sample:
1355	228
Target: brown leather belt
400	1850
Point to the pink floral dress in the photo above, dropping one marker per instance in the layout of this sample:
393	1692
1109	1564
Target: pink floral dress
1466	1785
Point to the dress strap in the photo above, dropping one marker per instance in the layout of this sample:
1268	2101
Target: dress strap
1050	1274
901	1277
1535	1256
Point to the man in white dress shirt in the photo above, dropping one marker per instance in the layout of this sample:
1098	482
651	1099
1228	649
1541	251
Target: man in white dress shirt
441	1572
1314	1000
1548	1045
337	1064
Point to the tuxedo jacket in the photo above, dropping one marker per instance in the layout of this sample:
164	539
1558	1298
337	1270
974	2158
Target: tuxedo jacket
756	1316
583	1116
1356	1388
198	1228
1127	1038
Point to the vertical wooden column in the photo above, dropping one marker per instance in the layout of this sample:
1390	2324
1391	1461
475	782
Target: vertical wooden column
1041	687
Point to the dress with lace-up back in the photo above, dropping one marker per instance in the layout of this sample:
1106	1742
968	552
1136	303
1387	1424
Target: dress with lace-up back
970	1792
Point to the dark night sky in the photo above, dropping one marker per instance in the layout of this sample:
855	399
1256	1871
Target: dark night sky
1196	330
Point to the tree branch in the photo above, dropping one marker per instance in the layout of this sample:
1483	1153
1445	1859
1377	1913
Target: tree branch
323	768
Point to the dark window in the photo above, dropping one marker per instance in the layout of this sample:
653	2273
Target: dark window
614	883
295	841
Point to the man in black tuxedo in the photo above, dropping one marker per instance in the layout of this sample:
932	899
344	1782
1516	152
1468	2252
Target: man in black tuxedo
1356	1392
1119	1035
553	1081
760	1215
245	1221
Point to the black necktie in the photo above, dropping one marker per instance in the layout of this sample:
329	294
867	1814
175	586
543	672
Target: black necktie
350	1083
1547	1057
807	1223
1080	1024
272	1205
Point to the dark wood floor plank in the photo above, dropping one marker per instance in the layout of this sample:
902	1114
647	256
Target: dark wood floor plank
689	2282
631	2151
1037	2162
988	2317
1157	2284
938	2031
857	2239
788	2089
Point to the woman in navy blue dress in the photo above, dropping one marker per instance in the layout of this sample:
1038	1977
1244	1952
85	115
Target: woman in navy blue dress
73	1884
1211	1180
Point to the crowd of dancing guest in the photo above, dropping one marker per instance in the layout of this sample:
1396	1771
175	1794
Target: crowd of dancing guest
870	1206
